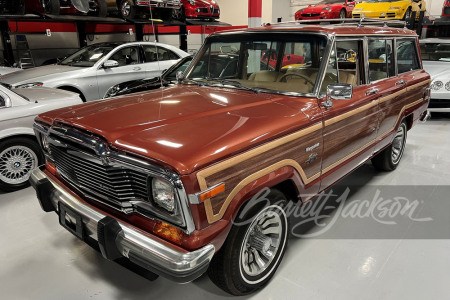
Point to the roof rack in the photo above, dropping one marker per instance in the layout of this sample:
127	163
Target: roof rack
358	22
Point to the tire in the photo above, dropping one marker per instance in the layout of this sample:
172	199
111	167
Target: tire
18	157
51	7
229	270
389	158
100	9
127	9
342	14
178	14
407	14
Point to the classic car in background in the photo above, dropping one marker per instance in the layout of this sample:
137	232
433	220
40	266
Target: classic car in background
389	9
56	7
19	150
167	78
91	71
326	11
131	9
436	61
200	9
446	9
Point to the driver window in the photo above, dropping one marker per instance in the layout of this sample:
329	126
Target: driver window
348	56
377	60
126	56
2	102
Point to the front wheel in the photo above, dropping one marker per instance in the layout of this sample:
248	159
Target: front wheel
342	14
389	158
254	248
18	157
98	8
51	7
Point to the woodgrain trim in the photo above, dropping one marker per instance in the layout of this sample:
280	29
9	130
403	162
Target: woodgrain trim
287	162
417	85
391	96
350	113
203	174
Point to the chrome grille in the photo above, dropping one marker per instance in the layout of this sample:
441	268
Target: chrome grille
95	180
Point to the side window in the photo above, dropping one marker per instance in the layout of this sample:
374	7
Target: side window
126	56
407	59
2	102
153	53
377	60
390	58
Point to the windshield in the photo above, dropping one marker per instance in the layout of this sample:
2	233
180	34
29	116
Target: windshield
269	62
435	51
172	76
88	56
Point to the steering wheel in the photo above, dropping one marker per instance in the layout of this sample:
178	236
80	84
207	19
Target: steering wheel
285	76
350	54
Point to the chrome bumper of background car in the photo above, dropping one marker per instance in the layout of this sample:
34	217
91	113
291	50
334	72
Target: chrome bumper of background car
117	239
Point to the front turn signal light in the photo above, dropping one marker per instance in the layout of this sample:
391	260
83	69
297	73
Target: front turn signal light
168	232
211	192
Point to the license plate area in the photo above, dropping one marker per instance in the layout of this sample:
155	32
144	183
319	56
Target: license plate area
71	220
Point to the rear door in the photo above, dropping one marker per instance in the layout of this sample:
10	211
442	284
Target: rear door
158	59
130	67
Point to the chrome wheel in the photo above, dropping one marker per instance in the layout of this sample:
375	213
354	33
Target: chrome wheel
398	145
16	164
262	242
125	9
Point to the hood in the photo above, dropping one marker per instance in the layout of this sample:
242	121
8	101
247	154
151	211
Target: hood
187	127
437	68
36	74
318	8
7	70
381	6
42	94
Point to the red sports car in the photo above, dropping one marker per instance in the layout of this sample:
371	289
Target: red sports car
446	9
326	11
200	9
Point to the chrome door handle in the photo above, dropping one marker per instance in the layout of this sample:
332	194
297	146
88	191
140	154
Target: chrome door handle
372	92
137	69
401	82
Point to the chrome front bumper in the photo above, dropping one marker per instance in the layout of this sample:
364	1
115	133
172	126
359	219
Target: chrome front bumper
119	240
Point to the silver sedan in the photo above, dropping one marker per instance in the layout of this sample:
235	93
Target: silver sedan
91	71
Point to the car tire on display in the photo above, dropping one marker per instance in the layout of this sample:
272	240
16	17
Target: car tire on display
407	14
179	14
127	10
18	157
389	158
253	251
100	8
342	14
51	7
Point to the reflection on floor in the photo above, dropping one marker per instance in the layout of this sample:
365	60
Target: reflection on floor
40	260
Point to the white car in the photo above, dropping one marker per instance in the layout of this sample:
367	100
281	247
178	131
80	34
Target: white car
19	149
8	70
91	71
436	61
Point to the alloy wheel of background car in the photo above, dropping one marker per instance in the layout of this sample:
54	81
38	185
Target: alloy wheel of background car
178	14
389	158
18	157
253	251
342	14
127	9
51	7
98	8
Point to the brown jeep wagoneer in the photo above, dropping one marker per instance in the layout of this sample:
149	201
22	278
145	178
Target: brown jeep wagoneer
157	180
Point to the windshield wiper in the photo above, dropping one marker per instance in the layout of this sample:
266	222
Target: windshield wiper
235	84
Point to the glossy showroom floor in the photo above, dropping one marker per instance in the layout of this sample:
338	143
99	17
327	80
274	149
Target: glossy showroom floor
40	260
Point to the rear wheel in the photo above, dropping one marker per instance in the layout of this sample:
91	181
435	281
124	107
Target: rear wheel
51	7
342	14
389	158
127	10
18	157
253	249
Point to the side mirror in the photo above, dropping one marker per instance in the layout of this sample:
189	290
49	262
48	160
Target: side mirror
180	76
110	64
338	91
